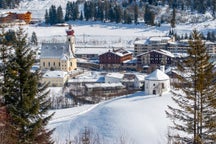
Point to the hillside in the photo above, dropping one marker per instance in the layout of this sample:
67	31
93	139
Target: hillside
137	118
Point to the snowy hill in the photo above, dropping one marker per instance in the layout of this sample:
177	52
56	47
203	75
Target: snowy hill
138	118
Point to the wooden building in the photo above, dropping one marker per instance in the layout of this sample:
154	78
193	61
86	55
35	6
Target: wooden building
11	17
112	60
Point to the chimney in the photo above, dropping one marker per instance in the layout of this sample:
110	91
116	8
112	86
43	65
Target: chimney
162	68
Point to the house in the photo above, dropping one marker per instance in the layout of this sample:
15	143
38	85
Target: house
112	60
139	81
59	56
157	82
11	17
155	57
55	78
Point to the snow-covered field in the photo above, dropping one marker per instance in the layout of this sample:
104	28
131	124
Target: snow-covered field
138	118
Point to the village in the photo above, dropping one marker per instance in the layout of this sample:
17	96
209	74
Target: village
108	81
91	75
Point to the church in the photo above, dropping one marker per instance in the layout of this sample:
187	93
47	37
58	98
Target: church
59	56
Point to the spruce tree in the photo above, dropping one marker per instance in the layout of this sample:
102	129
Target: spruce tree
195	114
34	40
25	99
136	14
59	15
47	20
173	20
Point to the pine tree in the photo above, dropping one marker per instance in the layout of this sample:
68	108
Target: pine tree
136	14
195	114
26	101
34	39
47	20
52	15
149	16
81	16
59	15
173	20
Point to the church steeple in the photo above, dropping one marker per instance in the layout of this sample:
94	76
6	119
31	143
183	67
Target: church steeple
71	39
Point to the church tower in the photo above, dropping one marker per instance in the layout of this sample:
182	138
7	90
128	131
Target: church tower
71	39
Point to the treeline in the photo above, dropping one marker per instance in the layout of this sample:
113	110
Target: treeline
126	12
96	11
200	6
210	36
4	4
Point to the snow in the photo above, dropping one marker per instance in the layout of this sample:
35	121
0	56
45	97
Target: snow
55	74
157	75
138	117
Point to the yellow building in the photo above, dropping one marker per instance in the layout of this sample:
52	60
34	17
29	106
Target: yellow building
59	56
55	78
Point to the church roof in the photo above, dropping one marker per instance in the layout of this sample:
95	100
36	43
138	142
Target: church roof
157	75
56	50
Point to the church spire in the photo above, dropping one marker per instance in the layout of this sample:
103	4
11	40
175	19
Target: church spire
71	39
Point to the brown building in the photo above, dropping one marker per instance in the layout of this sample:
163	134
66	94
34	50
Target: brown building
155	57
112	60
12	17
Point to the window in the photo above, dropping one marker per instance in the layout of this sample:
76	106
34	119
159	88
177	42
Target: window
70	63
49	64
44	64
59	64
163	86
54	63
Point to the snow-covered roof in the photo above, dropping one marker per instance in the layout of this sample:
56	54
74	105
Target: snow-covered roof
157	75
159	39
140	42
115	75
120	52
104	85
87	80
89	50
55	50
55	74
140	77
161	51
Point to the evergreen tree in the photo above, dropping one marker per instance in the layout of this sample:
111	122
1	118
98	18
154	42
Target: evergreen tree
214	8
75	11
118	14
59	15
47	20
68	13
81	16
136	9
173	20
52	15
10	36
34	39
149	16
195	113
3	4
26	101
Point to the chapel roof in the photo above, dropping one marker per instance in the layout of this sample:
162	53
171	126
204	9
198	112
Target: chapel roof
56	50
157	75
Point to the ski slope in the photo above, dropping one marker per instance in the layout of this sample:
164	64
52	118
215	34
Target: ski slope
139	118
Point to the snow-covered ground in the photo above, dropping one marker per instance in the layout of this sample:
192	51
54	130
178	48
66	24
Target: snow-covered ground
139	118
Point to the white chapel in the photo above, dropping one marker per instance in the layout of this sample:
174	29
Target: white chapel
157	82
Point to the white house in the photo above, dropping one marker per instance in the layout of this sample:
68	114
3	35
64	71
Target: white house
139	80
157	82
